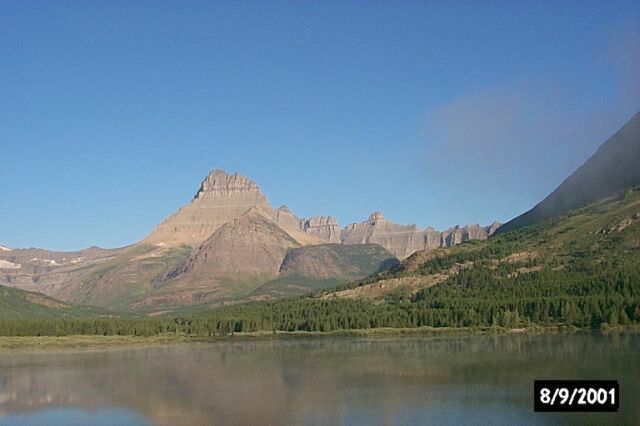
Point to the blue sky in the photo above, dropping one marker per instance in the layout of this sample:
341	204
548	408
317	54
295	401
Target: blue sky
436	113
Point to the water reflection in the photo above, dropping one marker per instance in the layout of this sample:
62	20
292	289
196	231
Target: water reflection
479	379
75	417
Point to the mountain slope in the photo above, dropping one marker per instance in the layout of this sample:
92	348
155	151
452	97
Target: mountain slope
614	166
313	268
57	274
122	280
20	304
334	260
250	244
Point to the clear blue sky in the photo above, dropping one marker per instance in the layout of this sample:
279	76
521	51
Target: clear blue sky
436	113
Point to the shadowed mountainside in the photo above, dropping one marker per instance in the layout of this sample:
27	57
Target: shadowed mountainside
313	268
614	166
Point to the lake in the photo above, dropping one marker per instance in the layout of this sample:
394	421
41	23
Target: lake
381	381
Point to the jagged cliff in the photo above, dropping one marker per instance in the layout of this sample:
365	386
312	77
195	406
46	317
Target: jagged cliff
326	227
404	240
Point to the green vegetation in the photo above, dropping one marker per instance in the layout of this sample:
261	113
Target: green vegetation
578	270
20	304
101	341
295	284
86	341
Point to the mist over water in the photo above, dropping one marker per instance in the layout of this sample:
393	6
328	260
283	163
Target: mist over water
444	380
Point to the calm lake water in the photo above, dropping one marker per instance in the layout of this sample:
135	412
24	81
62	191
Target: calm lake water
439	380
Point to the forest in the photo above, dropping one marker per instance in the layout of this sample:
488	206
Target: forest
585	297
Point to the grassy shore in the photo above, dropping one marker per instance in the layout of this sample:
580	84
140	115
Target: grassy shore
70	342
65	342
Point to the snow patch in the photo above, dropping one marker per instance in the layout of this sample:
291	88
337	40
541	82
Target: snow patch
8	265
47	261
3	248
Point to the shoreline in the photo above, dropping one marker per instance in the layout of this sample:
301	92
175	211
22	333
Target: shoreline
10	343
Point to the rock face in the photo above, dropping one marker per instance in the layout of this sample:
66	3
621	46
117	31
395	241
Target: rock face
614	167
294	226
400	240
221	198
404	240
459	234
326	227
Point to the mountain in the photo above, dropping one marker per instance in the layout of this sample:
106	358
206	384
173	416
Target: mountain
238	257
614	166
252	257
250	244
221	198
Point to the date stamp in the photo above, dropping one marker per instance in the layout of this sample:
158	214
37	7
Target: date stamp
576	395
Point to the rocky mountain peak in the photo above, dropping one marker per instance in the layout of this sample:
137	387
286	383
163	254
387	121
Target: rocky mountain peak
220	182
376	217
221	198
